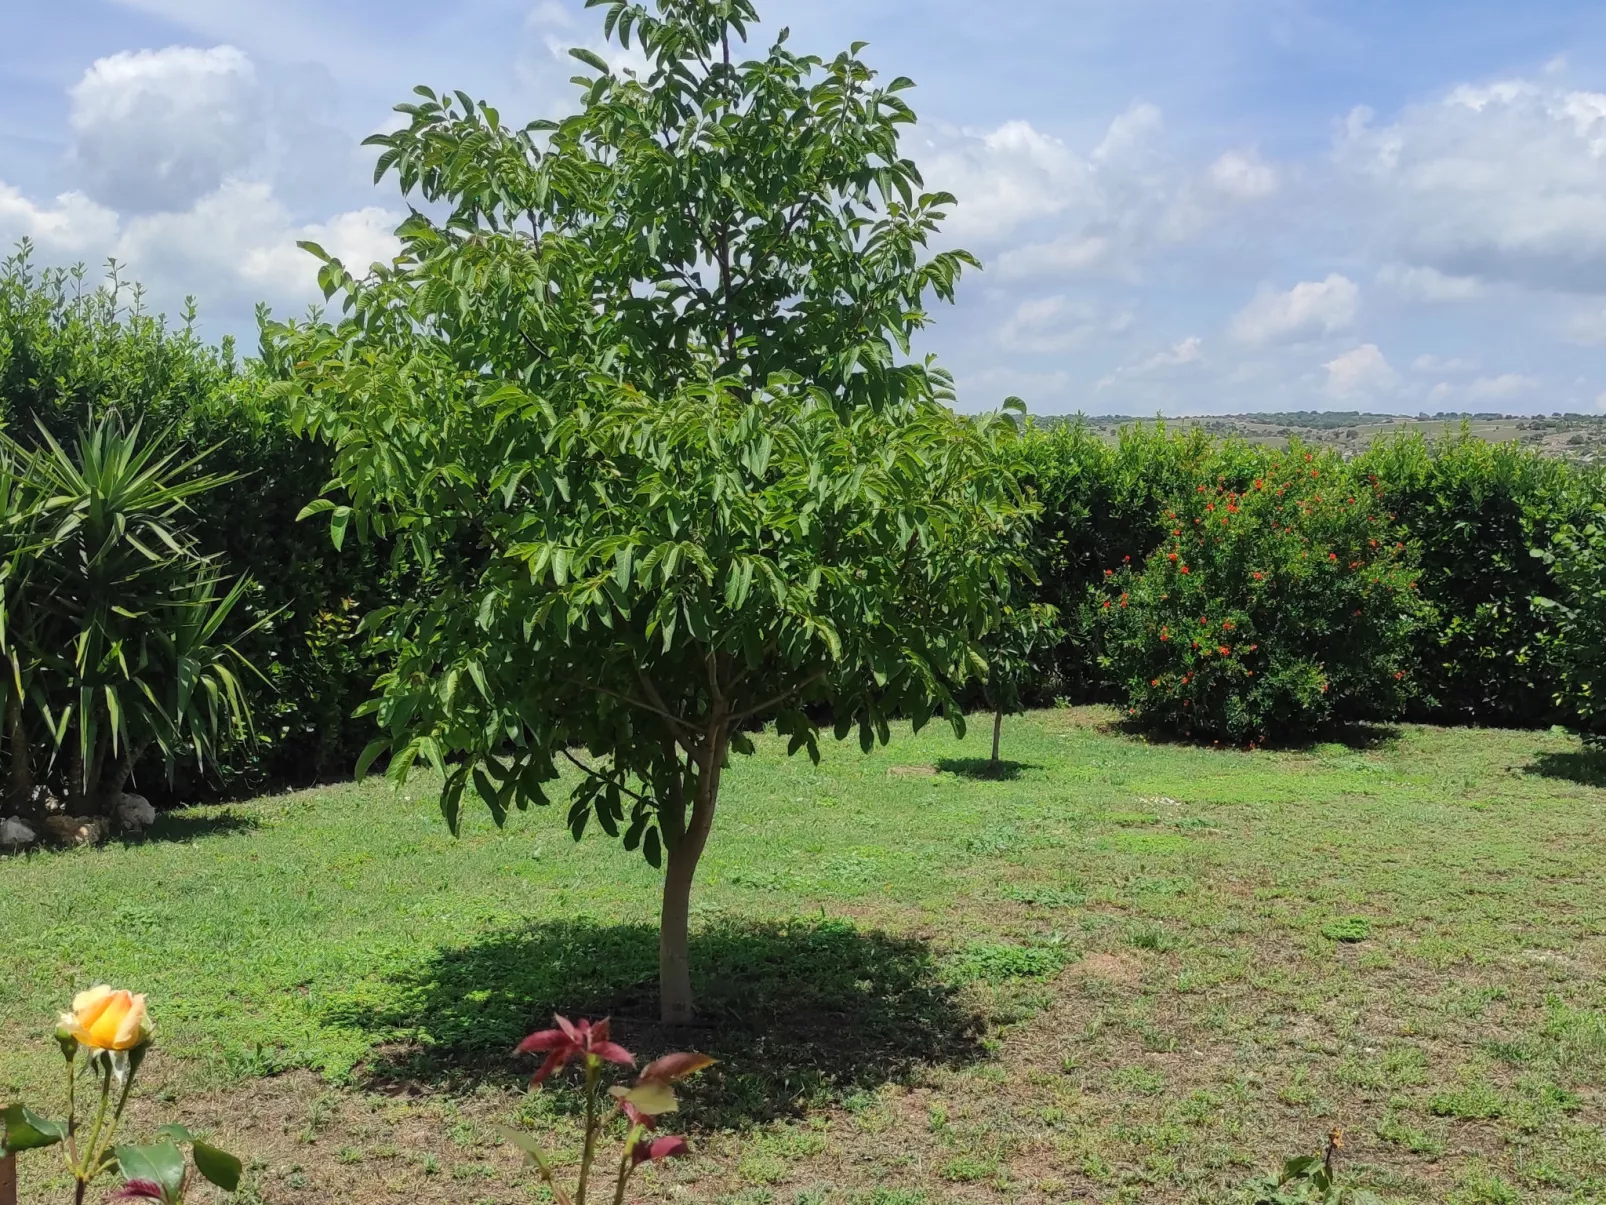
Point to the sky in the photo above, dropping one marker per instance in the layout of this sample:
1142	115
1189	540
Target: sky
1182	206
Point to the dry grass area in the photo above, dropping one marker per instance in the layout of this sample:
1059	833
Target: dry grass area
1122	972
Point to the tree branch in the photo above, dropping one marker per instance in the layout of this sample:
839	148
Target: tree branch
656	709
595	773
780	698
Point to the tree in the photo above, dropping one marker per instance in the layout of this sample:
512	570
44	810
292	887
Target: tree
639	415
1023	631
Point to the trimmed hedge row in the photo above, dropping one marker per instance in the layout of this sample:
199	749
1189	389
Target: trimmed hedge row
1473	513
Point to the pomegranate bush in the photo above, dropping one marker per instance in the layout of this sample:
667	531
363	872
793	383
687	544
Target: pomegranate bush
1275	606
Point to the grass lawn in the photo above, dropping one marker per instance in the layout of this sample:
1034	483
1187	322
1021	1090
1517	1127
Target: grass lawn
1124	972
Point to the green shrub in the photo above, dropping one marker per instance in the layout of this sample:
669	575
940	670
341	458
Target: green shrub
1476	510
71	351
1275	605
1575	599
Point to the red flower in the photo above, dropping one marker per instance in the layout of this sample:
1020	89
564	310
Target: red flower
1259	577
1400	674
1260	484
1106	604
1171	556
1156	682
569	1041
1109	573
1224	651
659	1148
1332	556
1185	569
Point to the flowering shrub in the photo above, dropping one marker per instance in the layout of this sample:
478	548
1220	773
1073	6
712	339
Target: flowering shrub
1274	606
640	1105
105	1036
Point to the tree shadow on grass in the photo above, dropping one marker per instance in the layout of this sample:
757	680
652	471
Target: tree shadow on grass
184	826
1587	768
1357	737
984	768
799	1014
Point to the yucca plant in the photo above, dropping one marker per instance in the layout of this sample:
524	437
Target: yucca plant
116	622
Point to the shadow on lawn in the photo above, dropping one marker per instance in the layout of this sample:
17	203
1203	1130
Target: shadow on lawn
184	826
1587	768
983	769
1357	737
797	1013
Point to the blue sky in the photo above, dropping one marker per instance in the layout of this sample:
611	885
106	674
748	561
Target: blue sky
1183	207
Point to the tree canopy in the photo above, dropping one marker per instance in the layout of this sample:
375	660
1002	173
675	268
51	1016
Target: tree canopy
636	407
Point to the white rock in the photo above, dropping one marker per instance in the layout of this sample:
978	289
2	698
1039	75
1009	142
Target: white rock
135	814
14	834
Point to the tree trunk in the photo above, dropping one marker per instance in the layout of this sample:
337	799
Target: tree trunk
8	1180
20	790
674	928
998	732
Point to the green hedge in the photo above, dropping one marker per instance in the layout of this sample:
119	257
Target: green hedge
1478	510
69	348
1474	510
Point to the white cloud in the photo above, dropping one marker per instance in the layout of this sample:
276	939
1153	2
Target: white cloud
1046	325
1502	388
1186	352
1429	284
1363	370
239	244
75	226
1309	310
1587	328
1441	366
1008	177
1501	182
158	129
1104	212
1243	175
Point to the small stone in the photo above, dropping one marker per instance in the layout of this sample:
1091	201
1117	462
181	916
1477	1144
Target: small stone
15	835
135	814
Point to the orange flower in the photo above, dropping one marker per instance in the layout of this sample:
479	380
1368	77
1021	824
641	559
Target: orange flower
108	1020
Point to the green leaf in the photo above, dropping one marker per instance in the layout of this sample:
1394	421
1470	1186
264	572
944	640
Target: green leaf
218	1166
590	58
162	1164
27	1131
370	754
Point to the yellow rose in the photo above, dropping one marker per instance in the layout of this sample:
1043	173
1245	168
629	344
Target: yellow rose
108	1020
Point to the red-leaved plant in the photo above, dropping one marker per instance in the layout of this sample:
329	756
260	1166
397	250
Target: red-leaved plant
641	1103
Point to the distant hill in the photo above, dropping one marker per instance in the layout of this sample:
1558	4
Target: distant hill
1580	437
